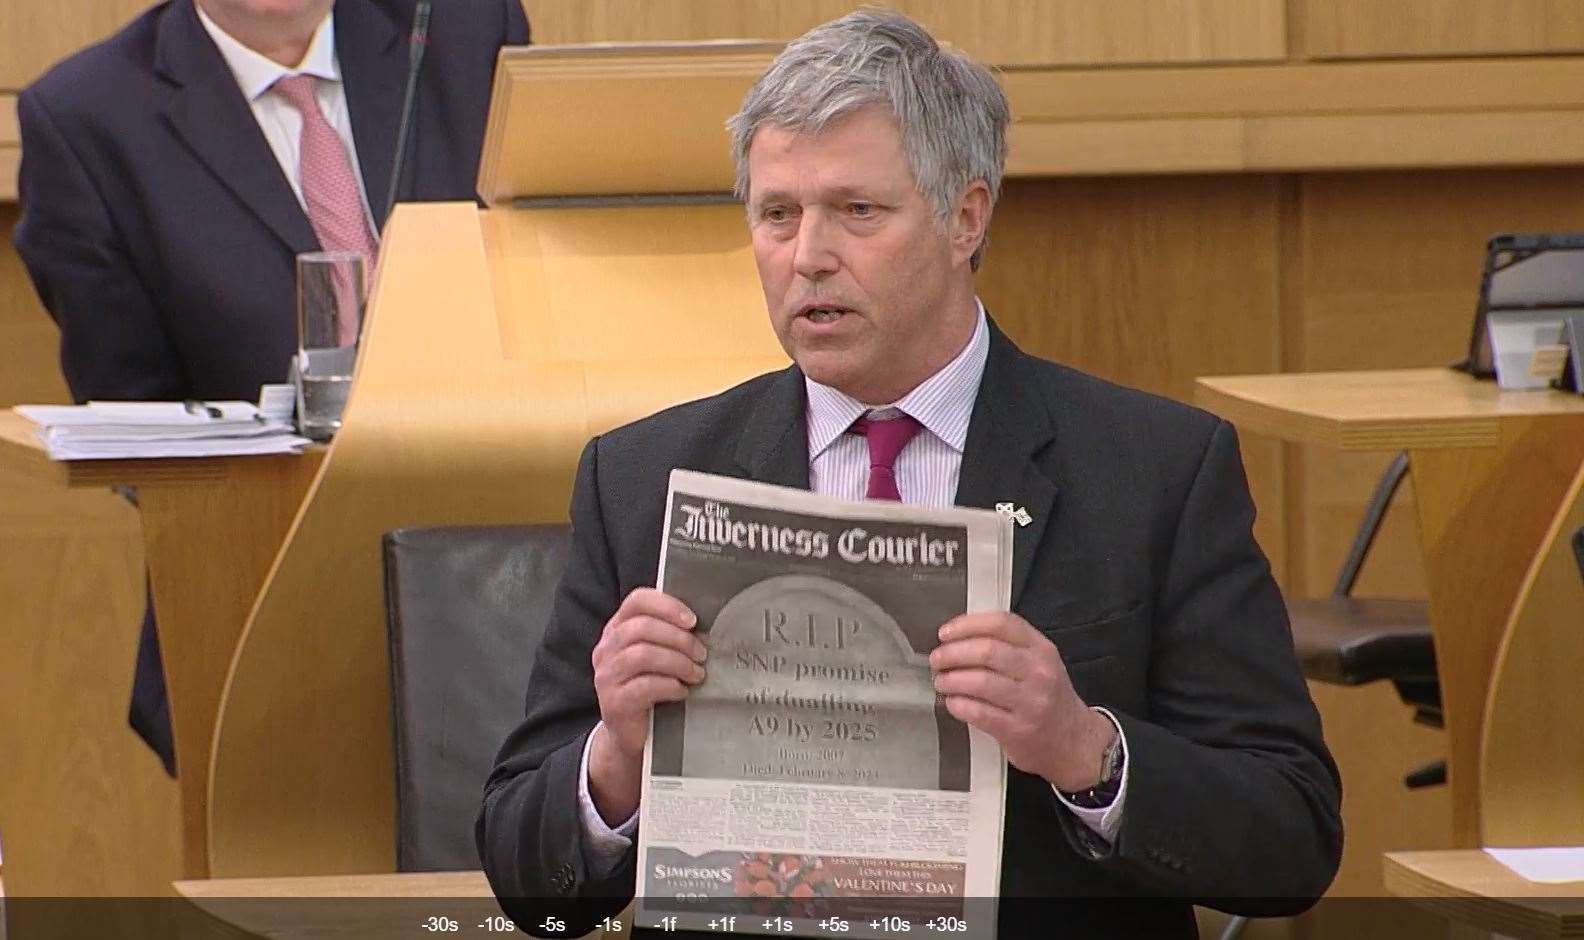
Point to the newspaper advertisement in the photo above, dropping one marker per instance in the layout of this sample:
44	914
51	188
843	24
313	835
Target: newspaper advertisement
813	784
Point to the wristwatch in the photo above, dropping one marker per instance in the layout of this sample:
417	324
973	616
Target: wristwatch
1104	791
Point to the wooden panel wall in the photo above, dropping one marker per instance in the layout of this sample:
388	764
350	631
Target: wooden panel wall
1359	29
34	34
71	578
1148	281
28	339
1005	32
10	146
1386	276
1092	32
71	574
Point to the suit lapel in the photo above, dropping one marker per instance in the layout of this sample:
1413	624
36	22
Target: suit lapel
773	447
1006	432
209	114
373	71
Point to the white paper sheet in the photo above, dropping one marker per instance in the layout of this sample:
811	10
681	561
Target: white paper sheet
1551	865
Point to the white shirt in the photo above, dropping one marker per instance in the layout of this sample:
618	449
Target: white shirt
927	470
280	122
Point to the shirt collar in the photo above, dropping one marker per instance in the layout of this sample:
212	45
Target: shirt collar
255	73
942	403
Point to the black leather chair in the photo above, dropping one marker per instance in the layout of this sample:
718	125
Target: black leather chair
1578	549
466	608
1346	640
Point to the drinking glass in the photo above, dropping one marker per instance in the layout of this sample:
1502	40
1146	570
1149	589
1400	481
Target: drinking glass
331	290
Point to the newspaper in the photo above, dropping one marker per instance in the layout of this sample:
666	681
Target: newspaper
812	784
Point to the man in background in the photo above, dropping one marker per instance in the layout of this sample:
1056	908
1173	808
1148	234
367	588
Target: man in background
1163	746
171	174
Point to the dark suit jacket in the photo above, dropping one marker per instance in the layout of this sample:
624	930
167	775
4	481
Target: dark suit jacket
1139	564
156	223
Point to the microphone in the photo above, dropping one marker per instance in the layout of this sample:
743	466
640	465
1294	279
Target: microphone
416	43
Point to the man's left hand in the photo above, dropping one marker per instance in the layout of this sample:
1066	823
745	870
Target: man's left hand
1000	675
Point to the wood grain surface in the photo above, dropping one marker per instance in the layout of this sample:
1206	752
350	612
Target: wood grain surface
1390	28
209	547
1532	776
10	146
1380	271
1291	117
1469	887
34	34
1003	32
1490	469
673	99
71	575
1381	409
1483	517
442	427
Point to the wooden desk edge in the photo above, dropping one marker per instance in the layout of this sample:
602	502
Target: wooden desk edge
1545	910
458	884
1283	406
23	453
1249	415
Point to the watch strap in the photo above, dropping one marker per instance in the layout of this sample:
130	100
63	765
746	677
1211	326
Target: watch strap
1112	763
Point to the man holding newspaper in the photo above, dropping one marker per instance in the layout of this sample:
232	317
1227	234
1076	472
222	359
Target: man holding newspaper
1144	688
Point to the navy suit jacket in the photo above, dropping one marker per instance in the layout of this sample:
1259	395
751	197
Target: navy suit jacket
156	223
1139	563
161	233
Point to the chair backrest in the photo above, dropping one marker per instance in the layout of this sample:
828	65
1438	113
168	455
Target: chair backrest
466	607
1369	526
1578	549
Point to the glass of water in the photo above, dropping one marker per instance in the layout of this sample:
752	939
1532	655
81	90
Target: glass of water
331	289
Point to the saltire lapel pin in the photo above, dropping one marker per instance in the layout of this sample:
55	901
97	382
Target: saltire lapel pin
1016	513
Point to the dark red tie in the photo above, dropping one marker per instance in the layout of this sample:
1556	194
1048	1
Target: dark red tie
886	439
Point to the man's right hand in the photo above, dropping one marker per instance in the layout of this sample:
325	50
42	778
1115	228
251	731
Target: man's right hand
646	654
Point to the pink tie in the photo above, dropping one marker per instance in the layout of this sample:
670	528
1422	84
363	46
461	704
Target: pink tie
886	439
329	185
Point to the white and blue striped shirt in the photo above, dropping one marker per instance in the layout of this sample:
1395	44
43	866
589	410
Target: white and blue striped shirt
928	467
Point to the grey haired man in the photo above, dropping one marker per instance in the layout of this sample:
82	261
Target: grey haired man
1164	750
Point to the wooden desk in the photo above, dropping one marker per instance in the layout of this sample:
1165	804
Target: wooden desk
211	529
1490	469
1470	887
347	906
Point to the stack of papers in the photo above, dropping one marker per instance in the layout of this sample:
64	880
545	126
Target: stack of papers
119	430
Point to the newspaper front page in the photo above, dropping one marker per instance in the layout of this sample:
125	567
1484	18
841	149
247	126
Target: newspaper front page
812	785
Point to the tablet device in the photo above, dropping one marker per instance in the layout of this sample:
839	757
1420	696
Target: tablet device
1528	285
